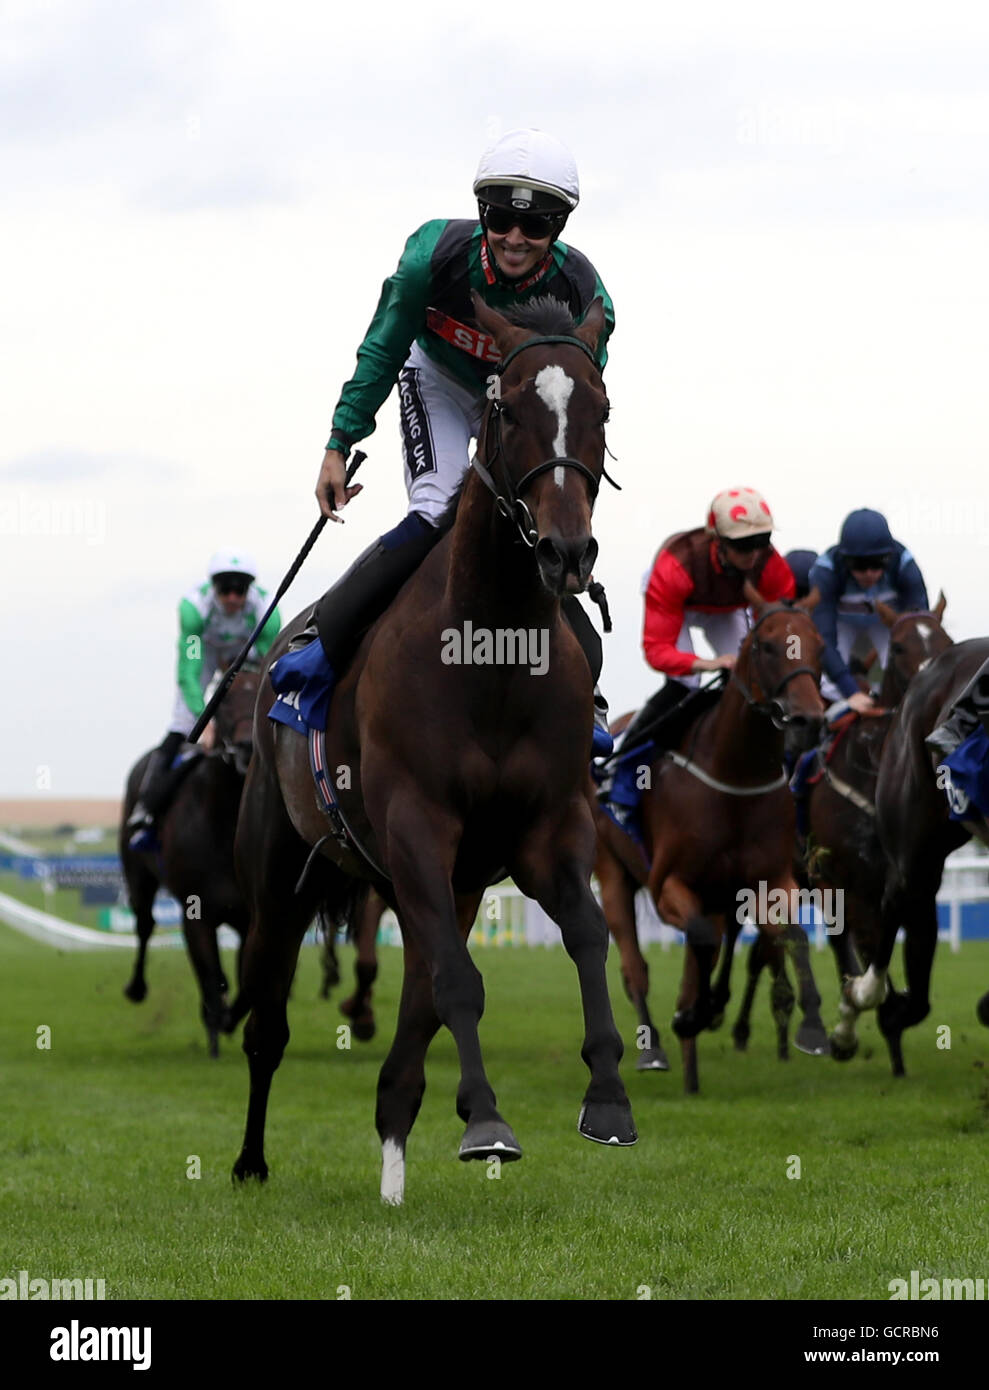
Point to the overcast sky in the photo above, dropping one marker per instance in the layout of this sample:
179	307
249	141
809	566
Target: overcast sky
789	206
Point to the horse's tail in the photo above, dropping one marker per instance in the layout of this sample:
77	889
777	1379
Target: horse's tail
342	903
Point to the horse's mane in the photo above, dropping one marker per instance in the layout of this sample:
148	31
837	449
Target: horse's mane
543	315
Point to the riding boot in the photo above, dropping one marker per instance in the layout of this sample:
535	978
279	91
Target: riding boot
971	707
156	788
346	611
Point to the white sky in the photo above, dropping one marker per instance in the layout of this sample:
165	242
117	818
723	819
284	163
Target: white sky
199	204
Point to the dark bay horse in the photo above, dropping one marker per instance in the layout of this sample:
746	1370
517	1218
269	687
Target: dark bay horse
718	822
917	835
196	861
843	850
841	858
456	771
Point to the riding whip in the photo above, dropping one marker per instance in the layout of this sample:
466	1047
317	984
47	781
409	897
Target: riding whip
220	692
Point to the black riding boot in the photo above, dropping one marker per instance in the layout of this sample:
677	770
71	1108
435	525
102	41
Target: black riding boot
971	706
156	788
346	611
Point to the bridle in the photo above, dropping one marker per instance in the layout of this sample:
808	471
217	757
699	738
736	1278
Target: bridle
770	704
508	499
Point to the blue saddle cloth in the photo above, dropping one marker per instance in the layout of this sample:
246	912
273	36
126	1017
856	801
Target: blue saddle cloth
967	783
303	681
623	800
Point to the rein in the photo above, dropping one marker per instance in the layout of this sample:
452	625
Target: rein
511	505
680	761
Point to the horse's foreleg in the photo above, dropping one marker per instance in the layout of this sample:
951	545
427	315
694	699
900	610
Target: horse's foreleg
141	888
554	867
682	908
722	983
204	953
811	1035
900	1011
422	843
618	904
781	1000
358	1006
754	966
844	1039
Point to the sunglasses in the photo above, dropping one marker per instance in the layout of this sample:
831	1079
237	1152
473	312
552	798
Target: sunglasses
231	586
533	225
868	562
745	544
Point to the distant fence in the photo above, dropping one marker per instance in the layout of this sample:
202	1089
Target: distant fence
505	918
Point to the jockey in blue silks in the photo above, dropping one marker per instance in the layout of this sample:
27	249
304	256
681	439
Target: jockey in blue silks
865	567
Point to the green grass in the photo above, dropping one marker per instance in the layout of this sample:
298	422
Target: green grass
98	1132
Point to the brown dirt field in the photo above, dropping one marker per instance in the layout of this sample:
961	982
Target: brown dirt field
45	812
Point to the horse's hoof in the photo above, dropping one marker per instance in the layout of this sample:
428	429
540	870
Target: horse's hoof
246	1168
812	1039
136	993
843	1052
783	1053
364	1029
652	1059
213	1045
740	1037
982	1010
489	1139
608	1122
687	1023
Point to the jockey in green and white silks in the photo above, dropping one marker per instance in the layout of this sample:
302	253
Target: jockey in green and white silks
210	637
215	620
424	339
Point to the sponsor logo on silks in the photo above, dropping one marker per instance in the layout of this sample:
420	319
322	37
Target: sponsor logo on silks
415	431
958	801
75	1343
472	340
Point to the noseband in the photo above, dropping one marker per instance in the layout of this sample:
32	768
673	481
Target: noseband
508	500
770	704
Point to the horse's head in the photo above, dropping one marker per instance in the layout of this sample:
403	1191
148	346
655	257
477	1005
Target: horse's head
235	718
915	639
542	443
779	668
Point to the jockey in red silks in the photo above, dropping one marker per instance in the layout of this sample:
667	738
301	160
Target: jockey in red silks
698	581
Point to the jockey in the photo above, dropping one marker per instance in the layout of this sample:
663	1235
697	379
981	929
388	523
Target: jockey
423	337
215	620
866	565
801	563
969	710
698	580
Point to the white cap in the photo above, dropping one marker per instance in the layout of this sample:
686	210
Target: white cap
231	561
533	160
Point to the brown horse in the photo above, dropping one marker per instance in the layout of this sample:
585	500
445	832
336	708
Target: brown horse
456	770
841	859
718	822
917	835
196	860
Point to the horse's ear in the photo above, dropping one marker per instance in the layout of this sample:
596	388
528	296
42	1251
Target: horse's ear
592	326
883	610
753	597
940	606
810	600
506	335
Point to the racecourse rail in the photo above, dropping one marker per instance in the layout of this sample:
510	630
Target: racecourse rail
507	918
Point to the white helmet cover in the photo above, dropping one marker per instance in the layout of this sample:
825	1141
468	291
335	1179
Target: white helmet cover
739	512
532	160
230	561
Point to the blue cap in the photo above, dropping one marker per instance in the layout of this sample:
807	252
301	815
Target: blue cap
865	533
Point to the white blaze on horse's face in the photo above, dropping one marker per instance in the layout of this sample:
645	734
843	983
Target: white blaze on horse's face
554	388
